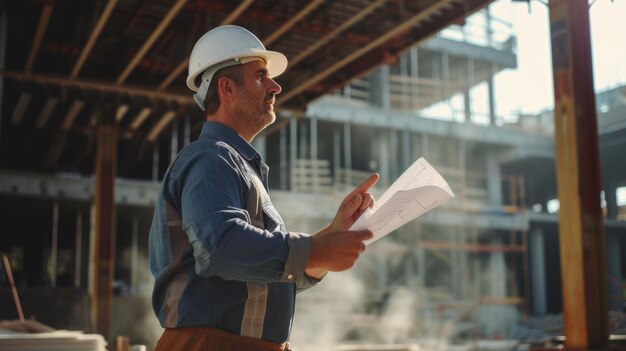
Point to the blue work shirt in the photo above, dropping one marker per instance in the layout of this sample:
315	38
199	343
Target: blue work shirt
213	264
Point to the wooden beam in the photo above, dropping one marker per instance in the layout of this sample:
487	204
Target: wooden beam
41	30
95	33
103	235
20	108
581	227
160	125
120	112
295	19
403	26
151	40
345	25
183	65
100	86
46	112
140	118
72	113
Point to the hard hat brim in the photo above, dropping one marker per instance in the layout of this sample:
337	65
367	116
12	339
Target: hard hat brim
275	61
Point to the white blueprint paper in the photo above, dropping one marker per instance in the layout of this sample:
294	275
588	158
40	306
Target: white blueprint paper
418	190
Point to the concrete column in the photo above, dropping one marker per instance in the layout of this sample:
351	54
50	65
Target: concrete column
135	267
293	150
381	88
491	97
336	157
383	157
537	254
283	158
467	95
611	200
494	181
155	161
406	149
497	271
347	153
174	140
260	144
415	78
614	270
420	253
78	249
54	246
383	271
393	154
445	77
314	168
425	144
406	89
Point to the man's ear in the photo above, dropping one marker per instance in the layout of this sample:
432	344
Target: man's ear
224	87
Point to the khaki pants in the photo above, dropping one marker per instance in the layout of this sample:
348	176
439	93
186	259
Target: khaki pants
211	339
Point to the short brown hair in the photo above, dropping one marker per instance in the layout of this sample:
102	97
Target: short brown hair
212	100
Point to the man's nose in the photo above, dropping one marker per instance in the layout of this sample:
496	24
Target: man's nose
274	88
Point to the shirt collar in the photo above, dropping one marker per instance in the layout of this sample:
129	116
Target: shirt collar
219	131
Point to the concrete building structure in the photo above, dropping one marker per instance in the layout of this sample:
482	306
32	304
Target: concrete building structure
481	266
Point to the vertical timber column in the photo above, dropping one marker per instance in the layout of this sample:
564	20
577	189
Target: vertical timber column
581	228
103	238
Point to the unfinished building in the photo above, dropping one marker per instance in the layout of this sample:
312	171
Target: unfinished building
483	266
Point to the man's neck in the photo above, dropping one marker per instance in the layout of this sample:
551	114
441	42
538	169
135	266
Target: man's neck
232	124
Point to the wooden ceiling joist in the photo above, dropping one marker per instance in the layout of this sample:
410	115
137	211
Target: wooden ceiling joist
160	125
72	113
171	14
20	108
95	33
46	112
295	19
183	65
121	112
41	30
140	118
100	86
345	25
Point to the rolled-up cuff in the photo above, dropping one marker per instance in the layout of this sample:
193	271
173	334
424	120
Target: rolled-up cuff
299	251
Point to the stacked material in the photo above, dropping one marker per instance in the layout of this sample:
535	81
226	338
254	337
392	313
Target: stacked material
18	337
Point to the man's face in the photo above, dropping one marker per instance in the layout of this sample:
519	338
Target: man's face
256	96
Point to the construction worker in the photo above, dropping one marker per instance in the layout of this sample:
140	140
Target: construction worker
226	268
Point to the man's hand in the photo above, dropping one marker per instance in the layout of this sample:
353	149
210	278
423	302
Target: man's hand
335	251
334	248
354	204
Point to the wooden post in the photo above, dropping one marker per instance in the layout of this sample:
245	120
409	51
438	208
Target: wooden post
581	228
103	235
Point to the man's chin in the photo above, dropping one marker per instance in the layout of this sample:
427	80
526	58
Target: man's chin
269	119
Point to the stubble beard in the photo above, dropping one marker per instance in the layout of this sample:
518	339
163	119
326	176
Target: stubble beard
255	114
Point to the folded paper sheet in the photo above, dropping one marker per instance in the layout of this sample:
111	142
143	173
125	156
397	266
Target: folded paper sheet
418	190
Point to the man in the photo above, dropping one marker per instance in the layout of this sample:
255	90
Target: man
226	269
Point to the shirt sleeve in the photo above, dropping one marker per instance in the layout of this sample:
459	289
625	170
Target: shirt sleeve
299	251
212	189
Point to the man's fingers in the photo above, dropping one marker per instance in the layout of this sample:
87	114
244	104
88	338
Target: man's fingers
367	184
351	203
363	235
368	201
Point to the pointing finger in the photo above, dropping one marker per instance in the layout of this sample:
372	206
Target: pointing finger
367	184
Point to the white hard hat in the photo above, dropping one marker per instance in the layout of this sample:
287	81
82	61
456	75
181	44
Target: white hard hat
227	46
